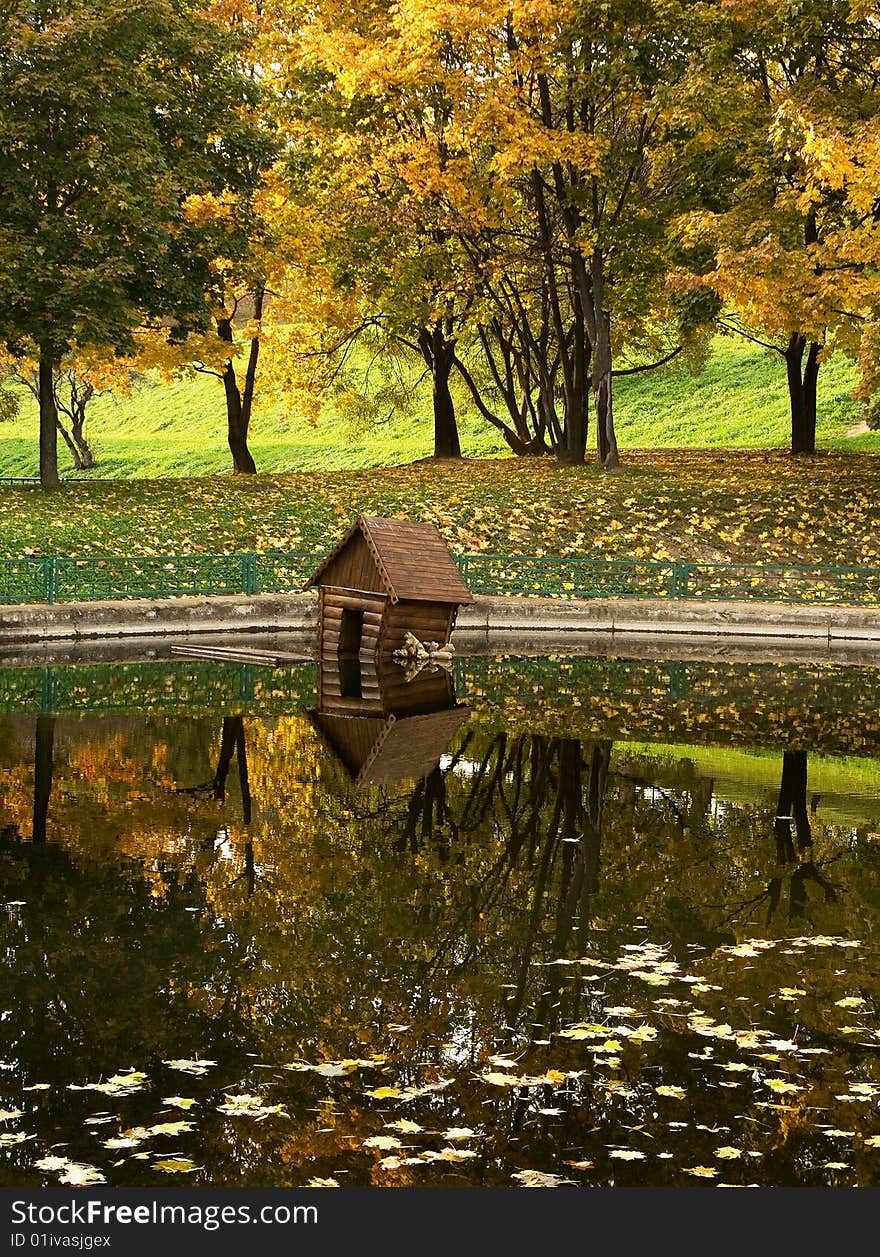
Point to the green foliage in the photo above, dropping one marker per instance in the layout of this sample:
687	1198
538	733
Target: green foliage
10	403
111	115
871	412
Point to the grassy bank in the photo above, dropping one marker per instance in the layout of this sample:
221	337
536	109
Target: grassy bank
738	506
177	430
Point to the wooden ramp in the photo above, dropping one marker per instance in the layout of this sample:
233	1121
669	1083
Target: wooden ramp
263	656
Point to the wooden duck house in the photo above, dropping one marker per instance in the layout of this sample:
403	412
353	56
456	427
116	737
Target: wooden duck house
386	577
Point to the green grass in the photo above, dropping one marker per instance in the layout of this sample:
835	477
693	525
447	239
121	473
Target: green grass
178	430
739	399
740	506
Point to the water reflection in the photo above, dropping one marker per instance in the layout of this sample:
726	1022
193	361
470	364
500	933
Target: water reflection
568	947
382	723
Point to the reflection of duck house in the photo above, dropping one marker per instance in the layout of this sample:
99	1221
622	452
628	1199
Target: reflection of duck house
387	577
381	727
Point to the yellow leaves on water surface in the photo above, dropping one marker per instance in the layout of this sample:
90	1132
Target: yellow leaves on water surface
322	1182
77	1174
385	1143
195	1067
118	1085
170	1128
51	1163
9	1115
701	1171
781	1087
246	1105
626	1154
851	1001
536	1178
553	1077
496	1079
675	1093
176	1165
16	1137
179	1102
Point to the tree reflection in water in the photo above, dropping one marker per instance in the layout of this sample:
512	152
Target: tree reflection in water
408	934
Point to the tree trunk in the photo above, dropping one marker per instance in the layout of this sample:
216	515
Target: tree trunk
606	438
48	423
69	442
439	354
802	389
577	397
84	458
446	442
237	419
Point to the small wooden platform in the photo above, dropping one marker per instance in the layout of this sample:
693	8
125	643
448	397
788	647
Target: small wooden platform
261	655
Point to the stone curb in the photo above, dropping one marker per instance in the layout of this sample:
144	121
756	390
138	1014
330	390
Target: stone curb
525	617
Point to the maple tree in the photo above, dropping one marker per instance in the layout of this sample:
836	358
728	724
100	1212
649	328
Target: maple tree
110	116
790	212
484	182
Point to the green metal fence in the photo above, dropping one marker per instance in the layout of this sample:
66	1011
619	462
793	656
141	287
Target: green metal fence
625	578
53	579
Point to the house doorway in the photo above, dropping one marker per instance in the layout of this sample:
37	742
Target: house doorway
351	630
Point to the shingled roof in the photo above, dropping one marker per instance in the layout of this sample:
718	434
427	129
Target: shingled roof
413	561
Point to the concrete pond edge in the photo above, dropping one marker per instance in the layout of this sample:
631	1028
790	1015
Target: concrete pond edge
490	621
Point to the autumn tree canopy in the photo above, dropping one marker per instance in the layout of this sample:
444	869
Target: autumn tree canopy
111	116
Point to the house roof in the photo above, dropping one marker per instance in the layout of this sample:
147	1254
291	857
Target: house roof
413	560
381	752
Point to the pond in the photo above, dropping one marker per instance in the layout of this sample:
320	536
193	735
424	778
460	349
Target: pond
623	930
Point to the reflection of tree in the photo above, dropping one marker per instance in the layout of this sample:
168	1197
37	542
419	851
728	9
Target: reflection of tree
540	801
44	754
792	810
792	804
232	743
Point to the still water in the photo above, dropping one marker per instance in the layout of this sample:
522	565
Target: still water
622	929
